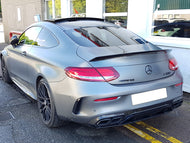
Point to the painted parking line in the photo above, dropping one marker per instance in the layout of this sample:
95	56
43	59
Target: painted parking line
158	132
151	129
142	134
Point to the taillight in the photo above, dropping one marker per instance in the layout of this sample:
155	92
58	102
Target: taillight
92	74
173	64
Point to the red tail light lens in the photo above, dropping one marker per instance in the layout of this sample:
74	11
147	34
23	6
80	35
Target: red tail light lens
103	74
173	64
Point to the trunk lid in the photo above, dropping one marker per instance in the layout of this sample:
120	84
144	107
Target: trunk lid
134	63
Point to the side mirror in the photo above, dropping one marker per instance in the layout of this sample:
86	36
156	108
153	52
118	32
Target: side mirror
14	41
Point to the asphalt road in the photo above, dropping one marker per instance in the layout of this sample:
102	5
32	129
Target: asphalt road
20	123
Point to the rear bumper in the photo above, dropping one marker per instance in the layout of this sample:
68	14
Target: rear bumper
135	115
75	102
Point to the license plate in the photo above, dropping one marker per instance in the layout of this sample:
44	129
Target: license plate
149	96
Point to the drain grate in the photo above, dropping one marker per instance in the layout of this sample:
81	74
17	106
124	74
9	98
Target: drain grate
6	116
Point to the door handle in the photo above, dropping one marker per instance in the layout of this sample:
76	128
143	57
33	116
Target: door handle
24	53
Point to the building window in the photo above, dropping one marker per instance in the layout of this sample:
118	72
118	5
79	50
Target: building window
53	9
113	6
116	11
78	8
171	18
64	8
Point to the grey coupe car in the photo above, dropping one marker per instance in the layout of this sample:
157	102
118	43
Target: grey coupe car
92	72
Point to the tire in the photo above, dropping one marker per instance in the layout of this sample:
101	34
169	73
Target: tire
5	73
46	105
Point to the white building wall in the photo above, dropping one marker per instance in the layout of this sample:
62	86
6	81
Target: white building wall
65	8
2	40
140	15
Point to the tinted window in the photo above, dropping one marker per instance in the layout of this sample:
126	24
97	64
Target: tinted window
46	39
29	36
104	36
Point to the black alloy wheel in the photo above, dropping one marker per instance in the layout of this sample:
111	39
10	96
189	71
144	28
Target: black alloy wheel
46	105
44	102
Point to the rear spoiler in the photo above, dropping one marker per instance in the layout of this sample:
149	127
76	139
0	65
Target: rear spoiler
127	54
101	53
74	19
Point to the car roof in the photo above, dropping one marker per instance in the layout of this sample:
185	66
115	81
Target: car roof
74	23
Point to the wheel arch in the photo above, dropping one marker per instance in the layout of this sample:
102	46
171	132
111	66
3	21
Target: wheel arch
39	77
1	55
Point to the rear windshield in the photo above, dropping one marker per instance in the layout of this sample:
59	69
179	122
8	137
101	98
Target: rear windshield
104	36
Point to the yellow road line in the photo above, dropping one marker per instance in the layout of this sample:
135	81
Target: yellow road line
142	134
158	132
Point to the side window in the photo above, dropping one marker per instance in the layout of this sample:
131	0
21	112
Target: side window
46	39
29	36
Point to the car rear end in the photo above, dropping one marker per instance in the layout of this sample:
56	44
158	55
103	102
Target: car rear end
128	79
125	96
